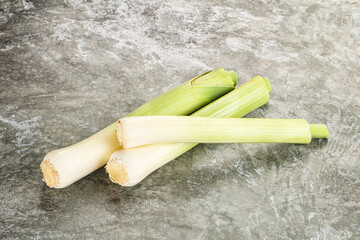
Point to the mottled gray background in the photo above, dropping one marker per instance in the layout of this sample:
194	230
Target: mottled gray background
69	68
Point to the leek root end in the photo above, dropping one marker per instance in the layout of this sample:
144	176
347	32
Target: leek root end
117	172
51	176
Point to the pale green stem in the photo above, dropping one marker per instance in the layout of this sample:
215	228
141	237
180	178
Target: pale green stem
137	131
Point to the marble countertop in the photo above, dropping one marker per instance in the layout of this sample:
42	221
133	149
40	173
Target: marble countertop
69	68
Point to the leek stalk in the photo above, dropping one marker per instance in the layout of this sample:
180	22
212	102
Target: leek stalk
137	131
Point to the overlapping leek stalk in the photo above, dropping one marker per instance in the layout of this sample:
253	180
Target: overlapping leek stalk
138	131
128	167
65	166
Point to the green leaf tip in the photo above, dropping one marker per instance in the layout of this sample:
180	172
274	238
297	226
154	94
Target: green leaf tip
267	83
233	76
319	131
217	77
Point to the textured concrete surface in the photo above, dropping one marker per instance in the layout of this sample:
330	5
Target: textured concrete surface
69	68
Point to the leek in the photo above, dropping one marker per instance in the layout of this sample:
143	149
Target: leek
137	131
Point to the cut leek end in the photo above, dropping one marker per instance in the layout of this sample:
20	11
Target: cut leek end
119	133
264	80
117	172
216	77
233	76
319	131
267	83
51	176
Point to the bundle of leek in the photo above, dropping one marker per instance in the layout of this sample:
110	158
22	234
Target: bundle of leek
153	140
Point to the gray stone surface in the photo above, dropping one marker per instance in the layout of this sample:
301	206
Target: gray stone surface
69	68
